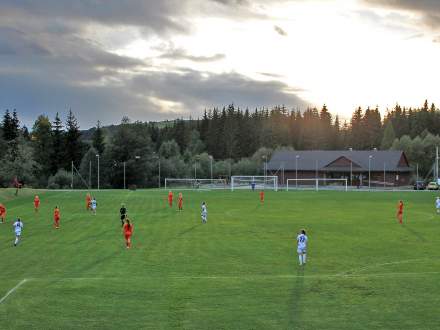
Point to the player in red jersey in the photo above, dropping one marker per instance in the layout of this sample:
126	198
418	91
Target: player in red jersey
56	217
36	203
3	212
170	198
262	196
88	201
180	201
400	212
128	231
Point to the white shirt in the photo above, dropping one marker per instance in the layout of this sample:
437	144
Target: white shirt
437	203
18	226
204	210
94	203
302	241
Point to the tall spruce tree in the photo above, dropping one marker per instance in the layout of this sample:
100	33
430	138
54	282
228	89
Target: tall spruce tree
42	144
57	157
98	139
73	145
388	136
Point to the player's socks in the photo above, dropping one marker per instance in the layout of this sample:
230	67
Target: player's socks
16	241
304	258
300	260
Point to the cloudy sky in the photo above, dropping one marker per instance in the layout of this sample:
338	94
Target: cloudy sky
154	60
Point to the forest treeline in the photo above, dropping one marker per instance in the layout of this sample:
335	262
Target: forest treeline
233	140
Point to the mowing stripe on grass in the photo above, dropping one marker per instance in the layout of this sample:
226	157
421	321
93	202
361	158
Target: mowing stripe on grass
12	290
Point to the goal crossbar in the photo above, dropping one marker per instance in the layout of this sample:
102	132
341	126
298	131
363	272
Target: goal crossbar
196	183
254	182
315	182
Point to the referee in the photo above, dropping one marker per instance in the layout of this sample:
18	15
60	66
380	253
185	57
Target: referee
123	212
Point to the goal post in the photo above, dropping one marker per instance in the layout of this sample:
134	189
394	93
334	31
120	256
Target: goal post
317	184
191	183
253	182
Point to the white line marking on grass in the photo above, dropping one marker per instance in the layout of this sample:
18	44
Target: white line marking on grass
12	290
243	277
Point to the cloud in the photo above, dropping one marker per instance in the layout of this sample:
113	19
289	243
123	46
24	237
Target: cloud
197	90
52	58
415	36
181	54
15	42
159	16
280	31
428	9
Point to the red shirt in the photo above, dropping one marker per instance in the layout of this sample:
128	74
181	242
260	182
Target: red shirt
36	200
56	213
400	207
170	195
128	230
2	208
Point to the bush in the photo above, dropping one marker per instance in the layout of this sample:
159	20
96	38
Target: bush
61	180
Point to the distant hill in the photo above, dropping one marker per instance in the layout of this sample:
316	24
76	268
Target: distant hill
109	130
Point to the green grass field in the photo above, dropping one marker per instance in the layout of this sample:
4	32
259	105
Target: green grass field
239	271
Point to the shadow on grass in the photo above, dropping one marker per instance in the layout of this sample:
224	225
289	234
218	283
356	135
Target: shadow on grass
295	321
186	231
414	233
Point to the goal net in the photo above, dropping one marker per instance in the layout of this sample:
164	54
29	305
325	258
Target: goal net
317	184
190	183
254	182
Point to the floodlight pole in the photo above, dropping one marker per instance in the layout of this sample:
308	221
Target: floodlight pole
351	173
90	174
436	165
195	170
158	159
384	176
417	174
210	158
265	169
124	174
97	156
369	171
296	170
71	183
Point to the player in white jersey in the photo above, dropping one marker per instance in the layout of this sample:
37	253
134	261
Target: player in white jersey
204	213
93	205
301	239
437	205
18	226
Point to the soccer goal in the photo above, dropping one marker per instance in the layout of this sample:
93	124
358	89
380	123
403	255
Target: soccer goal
317	184
254	182
191	183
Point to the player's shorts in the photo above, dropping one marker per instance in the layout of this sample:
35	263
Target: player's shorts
123	217
3	215
36	204
56	219
301	250
127	236
93	208
18	233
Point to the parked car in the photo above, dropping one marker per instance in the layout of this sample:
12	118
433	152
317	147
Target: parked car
432	186
419	185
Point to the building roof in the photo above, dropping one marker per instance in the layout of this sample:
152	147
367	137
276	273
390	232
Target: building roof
339	160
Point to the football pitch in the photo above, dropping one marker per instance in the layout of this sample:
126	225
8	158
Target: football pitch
238	271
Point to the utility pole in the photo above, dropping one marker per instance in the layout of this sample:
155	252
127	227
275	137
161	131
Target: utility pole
97	156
